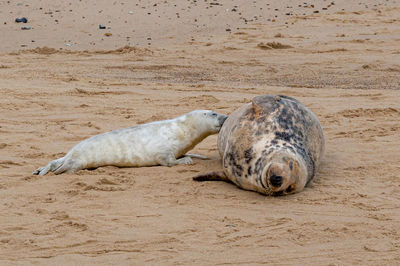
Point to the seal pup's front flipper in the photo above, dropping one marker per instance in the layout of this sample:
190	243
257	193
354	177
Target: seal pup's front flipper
197	156
168	159
212	176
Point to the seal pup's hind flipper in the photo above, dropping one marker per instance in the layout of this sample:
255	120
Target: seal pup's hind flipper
50	167
212	176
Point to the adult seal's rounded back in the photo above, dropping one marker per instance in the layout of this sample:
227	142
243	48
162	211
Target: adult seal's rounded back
157	143
272	145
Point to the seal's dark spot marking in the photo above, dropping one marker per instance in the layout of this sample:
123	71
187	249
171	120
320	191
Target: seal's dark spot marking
248	154
285	136
249	170
232	160
238	170
290	148
259	166
267	151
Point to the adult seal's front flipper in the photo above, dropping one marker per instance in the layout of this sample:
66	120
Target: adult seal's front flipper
212	176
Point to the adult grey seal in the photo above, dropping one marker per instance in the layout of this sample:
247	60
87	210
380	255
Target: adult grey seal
156	143
272	145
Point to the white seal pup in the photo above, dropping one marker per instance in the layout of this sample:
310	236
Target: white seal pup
155	143
272	145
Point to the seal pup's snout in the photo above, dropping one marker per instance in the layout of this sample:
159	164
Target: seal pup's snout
222	118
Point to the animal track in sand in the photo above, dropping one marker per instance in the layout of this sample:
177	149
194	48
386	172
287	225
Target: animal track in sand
67	226
380	67
150	119
371	95
273	45
59	215
378	122
8	163
370	112
118	182
84	186
85	92
134	68
201	100
369	134
49	51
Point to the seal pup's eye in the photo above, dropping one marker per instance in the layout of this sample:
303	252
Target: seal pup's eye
214	114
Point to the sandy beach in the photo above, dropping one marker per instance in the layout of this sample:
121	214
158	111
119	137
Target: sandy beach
63	79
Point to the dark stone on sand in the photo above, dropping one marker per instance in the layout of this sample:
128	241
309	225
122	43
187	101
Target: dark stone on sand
102	27
23	20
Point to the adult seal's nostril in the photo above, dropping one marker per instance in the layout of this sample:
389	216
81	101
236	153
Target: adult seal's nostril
276	180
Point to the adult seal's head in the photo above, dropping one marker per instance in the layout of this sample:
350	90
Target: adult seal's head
272	145
283	174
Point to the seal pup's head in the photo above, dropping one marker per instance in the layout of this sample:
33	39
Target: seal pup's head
284	174
209	121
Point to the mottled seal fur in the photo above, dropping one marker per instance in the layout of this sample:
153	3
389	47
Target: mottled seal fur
156	143
272	145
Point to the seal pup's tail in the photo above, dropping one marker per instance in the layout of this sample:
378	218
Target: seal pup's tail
52	166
